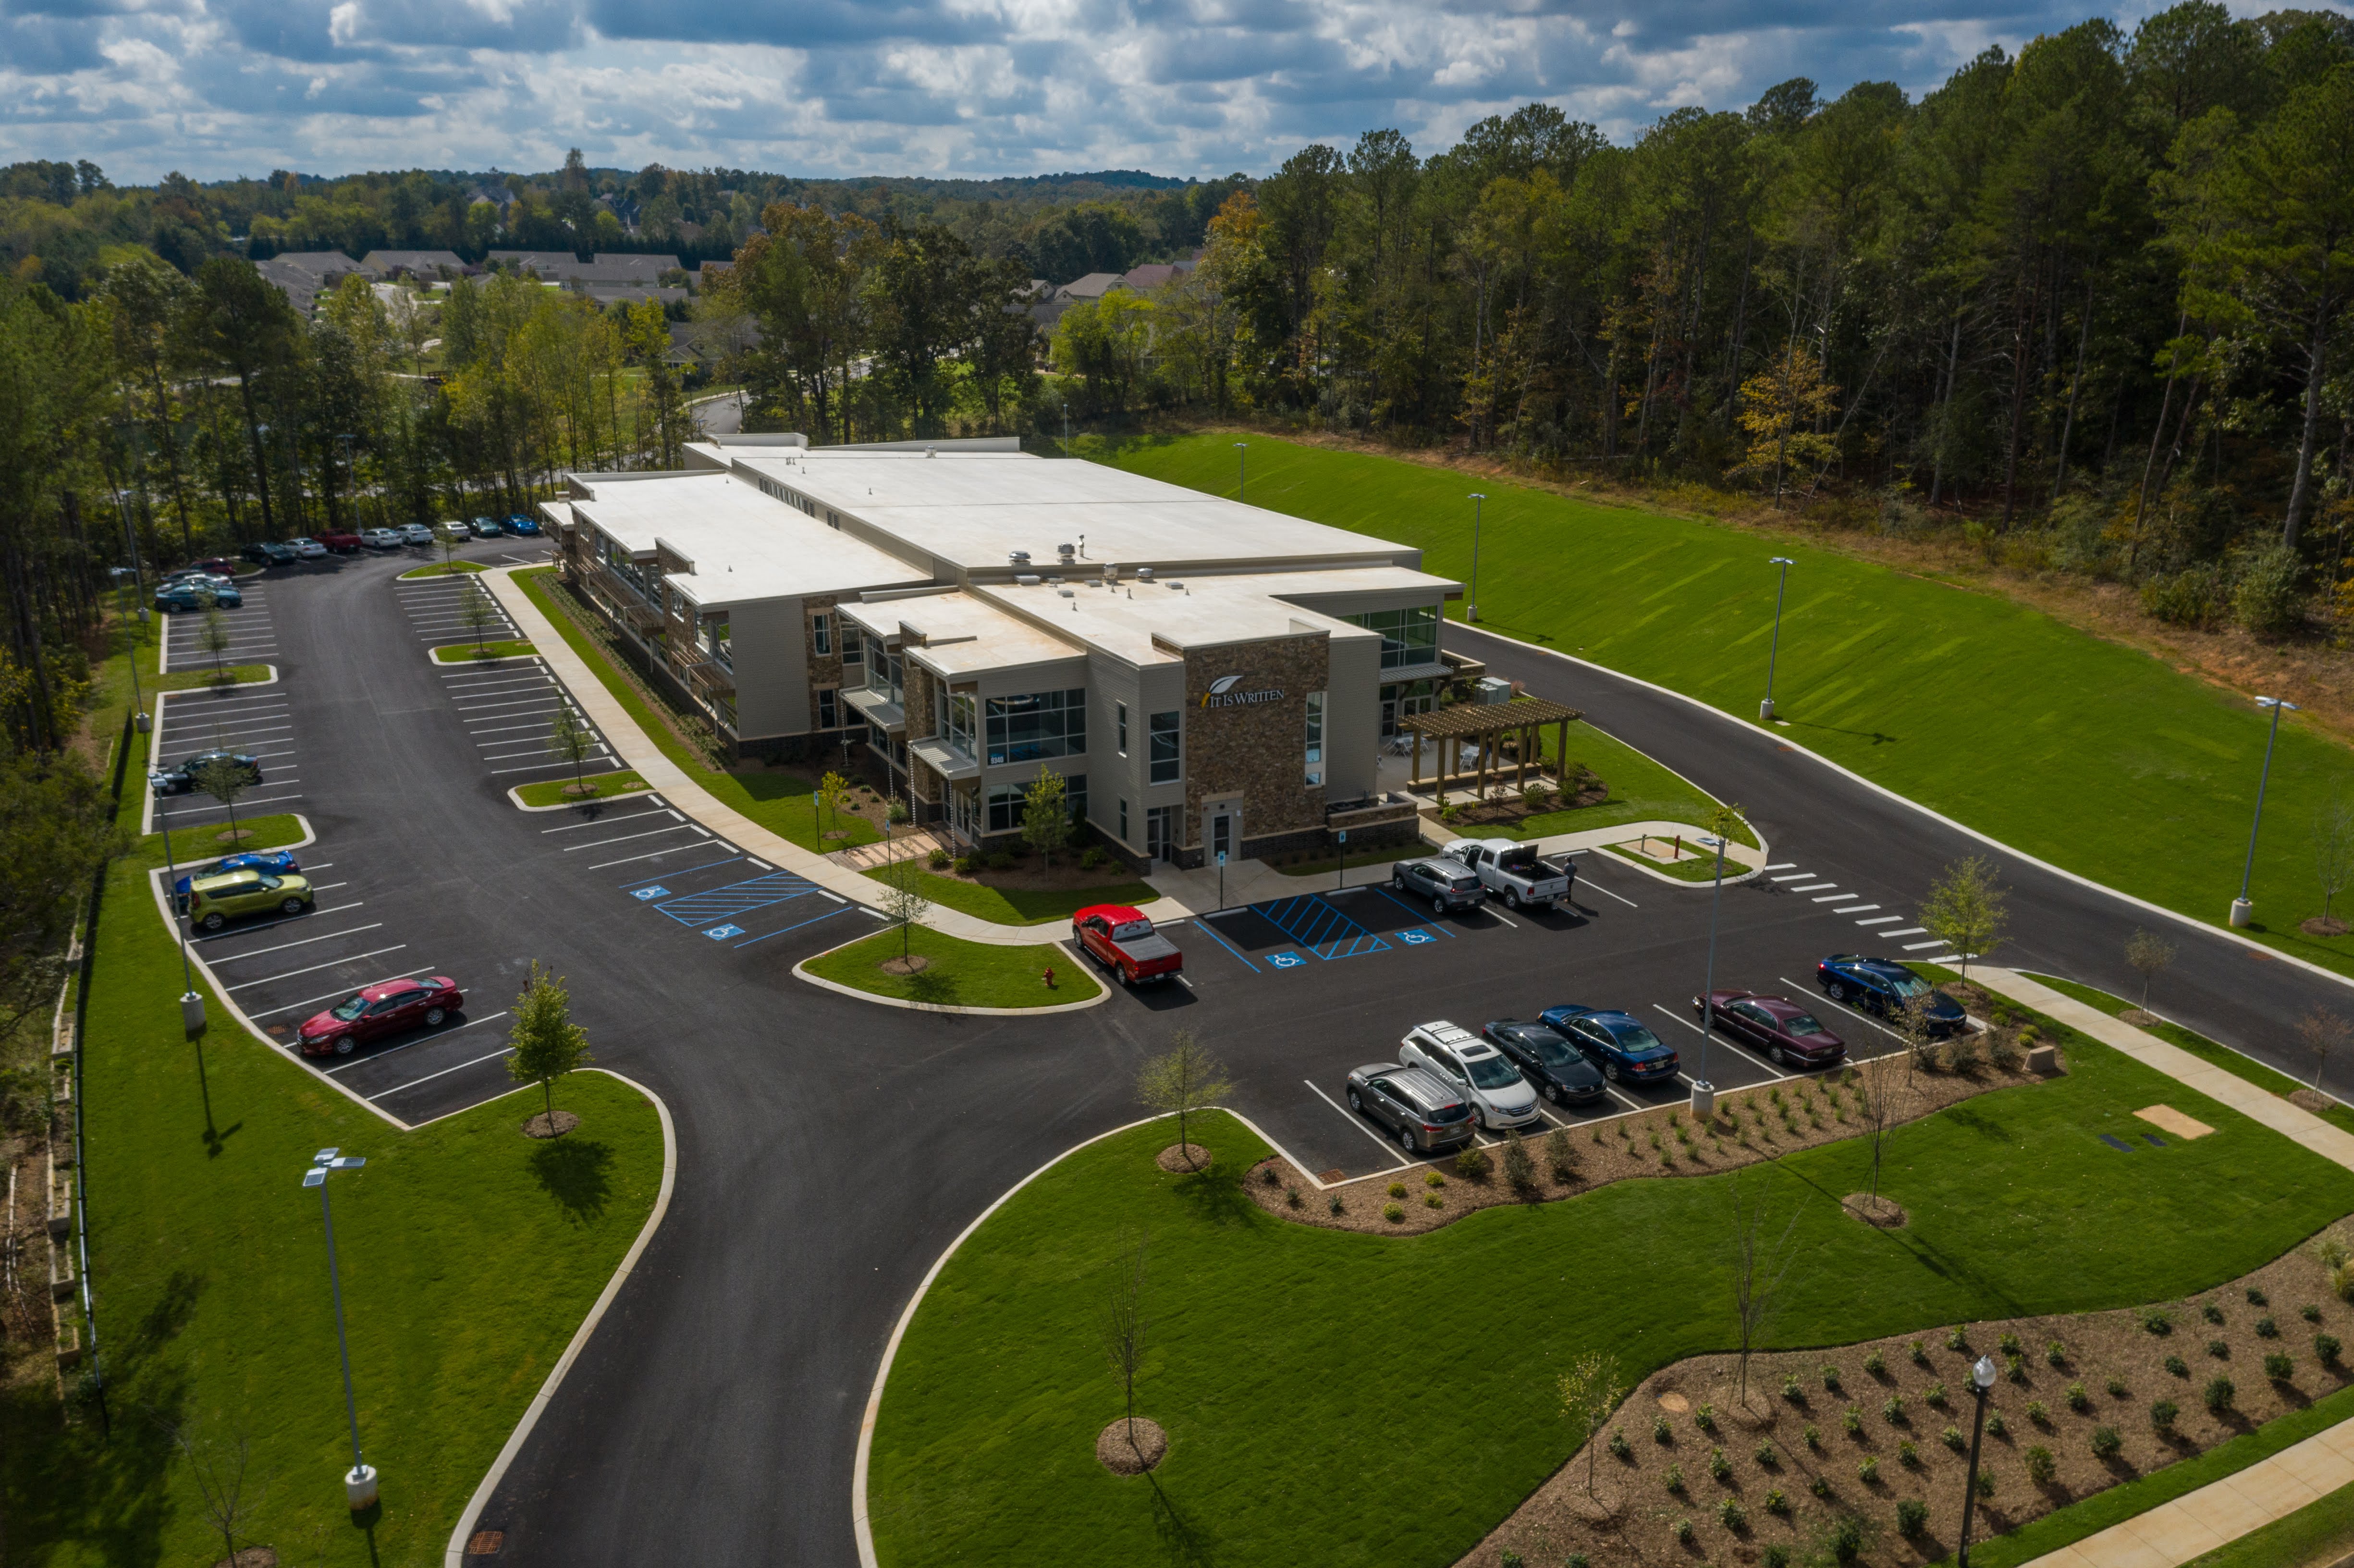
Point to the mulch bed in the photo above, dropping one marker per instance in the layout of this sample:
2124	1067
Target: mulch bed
1462	813
913	964
1886	1214
1067	875
2066	1379
1752	1124
250	1557
538	1125
1125	1455
1183	1158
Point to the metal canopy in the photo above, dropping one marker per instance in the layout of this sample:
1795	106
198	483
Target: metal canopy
1486	725
1463	720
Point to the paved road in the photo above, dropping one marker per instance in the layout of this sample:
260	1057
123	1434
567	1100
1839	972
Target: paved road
720	416
830	1149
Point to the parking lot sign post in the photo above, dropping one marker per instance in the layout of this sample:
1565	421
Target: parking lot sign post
1703	1093
1341	885
1773	649
1222	879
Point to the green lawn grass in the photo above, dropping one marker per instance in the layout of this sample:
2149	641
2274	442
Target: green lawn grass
1693	867
1985	710
469	1255
553	792
1641	790
209	841
2319	1533
962	974
442	569
781	802
468	653
1020	907
1321	1356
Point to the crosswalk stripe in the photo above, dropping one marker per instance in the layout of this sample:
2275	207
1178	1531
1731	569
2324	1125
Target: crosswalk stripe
1917	946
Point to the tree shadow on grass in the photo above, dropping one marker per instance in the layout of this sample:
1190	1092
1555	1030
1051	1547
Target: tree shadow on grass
1182	1535
933	986
1216	1195
577	1172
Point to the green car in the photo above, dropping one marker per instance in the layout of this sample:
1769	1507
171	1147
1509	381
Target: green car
212	900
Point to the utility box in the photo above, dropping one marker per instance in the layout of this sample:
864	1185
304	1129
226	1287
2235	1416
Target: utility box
1493	689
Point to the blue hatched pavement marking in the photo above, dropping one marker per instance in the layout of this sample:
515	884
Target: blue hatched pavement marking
735	898
1320	928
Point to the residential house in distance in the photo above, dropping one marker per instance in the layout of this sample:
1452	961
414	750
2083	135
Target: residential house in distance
425	266
304	275
1051	302
549	266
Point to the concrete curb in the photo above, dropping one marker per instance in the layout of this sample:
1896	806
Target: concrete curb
156	737
800	972
430	572
646	793
432	656
454	1555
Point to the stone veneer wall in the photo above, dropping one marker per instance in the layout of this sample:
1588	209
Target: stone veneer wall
1256	750
825	669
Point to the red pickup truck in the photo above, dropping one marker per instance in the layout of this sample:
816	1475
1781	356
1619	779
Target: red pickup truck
341	543
1123	941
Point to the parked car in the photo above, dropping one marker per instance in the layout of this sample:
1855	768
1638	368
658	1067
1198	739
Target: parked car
1479	1072
214	901
198	593
1614	1041
1448	885
269	553
1546	1060
521	523
373	1012
211	566
1123	941
308	548
341	543
1884	987
487	528
1775	1025
1515	871
416	534
277	862
451	529
181	779
381	538
1422	1109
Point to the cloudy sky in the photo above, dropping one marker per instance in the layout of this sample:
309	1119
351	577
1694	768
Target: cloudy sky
217	87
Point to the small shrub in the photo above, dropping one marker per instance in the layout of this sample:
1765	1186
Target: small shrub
2156	1321
1661	1431
2218	1395
1830	1377
2040	1465
2007	1344
1519	1170
2278	1367
1270	1175
1673	1480
1434	1181
2117	1388
1912	1516
2037	1413
2309	1312
1812	1436
1851	1419
1619	1448
2106	1442
942	860
1908	1454
2266	1329
1866	1469
1394	1212
1935	1397
2162	1413
1766	1455
2256	1298
1957	1340
1291	1195
1705	1418
2177	1366
1954	1438
1986	1483
1891	1409
2325	1348
2212	1312
2055	1354
1820	1486
2015	1369
1918	1352
1433	1200
2219	1349
1719	1467
1777	1503
1996	1423
1397	1189
1562	1155
1845	1541
2078	1401
1876	1365
1335	1205
1575	1560
1683	1532
1732	1515
1473	1164
966	864
1792	1389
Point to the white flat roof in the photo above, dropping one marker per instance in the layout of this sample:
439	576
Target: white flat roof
961	634
744	545
968	511
1124	620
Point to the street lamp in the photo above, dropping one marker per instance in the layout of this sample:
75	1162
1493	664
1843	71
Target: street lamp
1242	468
359	1485
1703	1093
1472	609
1773	649
2242	910
1981	1384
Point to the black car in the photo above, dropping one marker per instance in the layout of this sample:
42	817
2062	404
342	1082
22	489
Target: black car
1423	1110
1560	1072
179	781
271	553
1883	986
1448	884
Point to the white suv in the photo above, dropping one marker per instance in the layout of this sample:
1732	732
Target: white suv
1503	1099
381	538
416	534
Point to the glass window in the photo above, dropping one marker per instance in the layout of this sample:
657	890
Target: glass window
822	635
957	719
1315	737
716	639
1075	796
1006	804
1119	724
1038	726
854	646
1168	758
829	709
1123	820
1408	636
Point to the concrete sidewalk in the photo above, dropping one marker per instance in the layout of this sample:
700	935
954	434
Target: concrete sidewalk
2174	1532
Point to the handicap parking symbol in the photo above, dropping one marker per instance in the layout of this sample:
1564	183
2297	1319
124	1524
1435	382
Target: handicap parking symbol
719	933
651	892
1417	937
1286	961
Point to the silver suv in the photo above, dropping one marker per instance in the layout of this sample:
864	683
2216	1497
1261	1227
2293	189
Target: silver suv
1476	1070
1417	1105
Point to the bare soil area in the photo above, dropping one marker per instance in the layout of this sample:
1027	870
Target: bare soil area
1126	1454
1183	1158
540	1125
1858	1429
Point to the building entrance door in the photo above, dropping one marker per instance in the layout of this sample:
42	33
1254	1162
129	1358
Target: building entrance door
1221	831
1160	832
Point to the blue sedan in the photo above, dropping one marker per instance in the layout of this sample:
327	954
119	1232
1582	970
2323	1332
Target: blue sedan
521	523
190	597
1885	987
1614	1041
271	863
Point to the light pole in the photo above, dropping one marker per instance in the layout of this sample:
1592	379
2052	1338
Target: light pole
1773	649
192	1002
1703	1093
1471	608
359	1485
139	601
1981	1384
1242	469
2242	910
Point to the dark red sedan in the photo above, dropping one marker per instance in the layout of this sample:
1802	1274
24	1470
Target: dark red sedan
389	1007
1775	1025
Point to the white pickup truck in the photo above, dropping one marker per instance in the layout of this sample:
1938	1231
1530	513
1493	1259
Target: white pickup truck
1514	872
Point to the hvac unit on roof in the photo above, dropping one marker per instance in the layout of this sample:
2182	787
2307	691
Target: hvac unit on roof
1018	558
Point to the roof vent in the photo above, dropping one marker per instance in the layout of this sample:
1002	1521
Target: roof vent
1144	574
1027	579
1066	593
1019	557
1111	576
1067	552
931	451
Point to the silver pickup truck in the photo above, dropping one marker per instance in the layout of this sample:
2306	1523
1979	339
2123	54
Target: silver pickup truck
1514	872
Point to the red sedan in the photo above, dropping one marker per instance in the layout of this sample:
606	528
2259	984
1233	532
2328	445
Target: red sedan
373	1012
1775	1025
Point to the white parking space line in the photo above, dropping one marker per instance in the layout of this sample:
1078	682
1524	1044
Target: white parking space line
1918	947
1880	920
244	800
502	1051
315	969
232	957
511	683
659	854
511	728
1840	898
423	1040
1856	909
1801	876
502	718
1749	1051
542	766
603	822
624	838
505	703
275	700
1514	924
1851	1013
1815	887
339	993
1624	1098
1589	881
1382	1142
1781	865
1907	931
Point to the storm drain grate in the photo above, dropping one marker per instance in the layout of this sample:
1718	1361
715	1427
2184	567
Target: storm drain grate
485	1543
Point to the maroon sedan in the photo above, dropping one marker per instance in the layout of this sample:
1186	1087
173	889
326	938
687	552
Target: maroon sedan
373	1012
1775	1025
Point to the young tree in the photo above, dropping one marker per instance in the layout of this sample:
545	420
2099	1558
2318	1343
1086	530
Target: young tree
222	1471
1879	1108
1760	1262
2321	1032
1045	814
2150	955
1590	1390
1125	1329
903	897
213	636
1186	1079
226	780
570	737
832	791
1966	910
478	612
2333	848
547	1043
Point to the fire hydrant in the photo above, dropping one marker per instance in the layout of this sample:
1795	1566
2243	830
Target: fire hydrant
1050	976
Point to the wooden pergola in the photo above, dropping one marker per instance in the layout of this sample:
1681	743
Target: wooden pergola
1486	724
